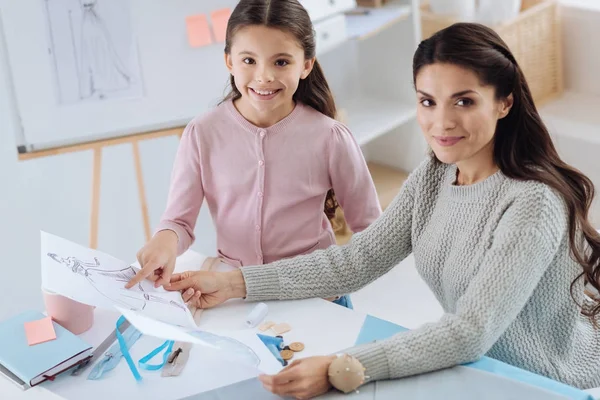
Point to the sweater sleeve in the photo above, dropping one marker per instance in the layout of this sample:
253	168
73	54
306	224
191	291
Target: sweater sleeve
186	192
351	180
522	249
338	270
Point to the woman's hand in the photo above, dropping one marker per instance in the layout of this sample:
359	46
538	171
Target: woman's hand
157	259
207	289
302	379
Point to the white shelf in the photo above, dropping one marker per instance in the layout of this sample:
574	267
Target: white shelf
374	20
369	118
574	115
367	23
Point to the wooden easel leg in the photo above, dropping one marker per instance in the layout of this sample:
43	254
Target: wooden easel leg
141	189
96	174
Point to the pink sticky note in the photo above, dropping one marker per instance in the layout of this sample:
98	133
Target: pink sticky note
39	331
219	20
198	30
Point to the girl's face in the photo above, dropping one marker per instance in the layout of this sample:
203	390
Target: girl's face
267	65
457	114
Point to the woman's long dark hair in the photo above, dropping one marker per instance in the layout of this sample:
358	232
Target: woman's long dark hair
523	148
291	17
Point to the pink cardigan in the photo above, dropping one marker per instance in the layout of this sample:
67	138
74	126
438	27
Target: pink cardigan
265	187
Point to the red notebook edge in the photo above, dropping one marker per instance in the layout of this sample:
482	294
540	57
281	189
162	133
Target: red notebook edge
67	367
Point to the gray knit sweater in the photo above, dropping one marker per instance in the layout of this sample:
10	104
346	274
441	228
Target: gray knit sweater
496	256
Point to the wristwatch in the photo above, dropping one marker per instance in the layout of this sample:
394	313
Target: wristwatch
346	373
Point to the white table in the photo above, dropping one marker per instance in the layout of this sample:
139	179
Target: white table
322	326
312	321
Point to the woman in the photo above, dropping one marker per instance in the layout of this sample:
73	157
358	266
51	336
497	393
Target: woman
497	224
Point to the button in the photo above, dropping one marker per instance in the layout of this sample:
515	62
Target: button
286	354
281	328
265	326
262	133
257	227
297	346
261	163
260	194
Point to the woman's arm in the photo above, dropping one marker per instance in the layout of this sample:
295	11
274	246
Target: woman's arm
508	274
351	180
338	270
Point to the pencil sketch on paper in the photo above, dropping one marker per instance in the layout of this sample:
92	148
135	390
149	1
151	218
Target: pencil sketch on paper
93	48
92	277
134	299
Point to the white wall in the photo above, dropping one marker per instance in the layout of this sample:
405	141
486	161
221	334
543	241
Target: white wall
579	143
54	194
581	53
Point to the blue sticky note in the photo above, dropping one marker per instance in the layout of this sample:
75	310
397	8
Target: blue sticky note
377	329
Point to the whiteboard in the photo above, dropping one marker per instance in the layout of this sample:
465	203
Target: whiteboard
170	82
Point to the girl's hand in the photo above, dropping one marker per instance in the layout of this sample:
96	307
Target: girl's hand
157	259
302	379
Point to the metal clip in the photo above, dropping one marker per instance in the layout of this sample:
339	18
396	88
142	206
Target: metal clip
177	359
174	355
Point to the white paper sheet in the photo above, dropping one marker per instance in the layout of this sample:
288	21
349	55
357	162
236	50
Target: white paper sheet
92	46
92	277
241	346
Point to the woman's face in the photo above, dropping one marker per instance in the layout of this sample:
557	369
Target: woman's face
457	114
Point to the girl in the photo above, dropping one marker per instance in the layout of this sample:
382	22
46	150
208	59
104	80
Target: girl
268	157
497	224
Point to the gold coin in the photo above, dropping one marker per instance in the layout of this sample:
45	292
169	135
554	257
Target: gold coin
297	346
287	354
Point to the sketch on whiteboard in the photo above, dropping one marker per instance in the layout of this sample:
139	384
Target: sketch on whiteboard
98	279
93	49
100	69
134	299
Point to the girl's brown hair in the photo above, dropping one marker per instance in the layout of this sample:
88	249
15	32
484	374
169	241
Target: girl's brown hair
289	16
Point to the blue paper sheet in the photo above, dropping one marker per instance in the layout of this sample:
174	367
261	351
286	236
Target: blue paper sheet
377	329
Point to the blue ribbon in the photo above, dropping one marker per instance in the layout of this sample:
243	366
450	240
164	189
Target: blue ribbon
130	336
125	351
143	362
113	356
125	341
